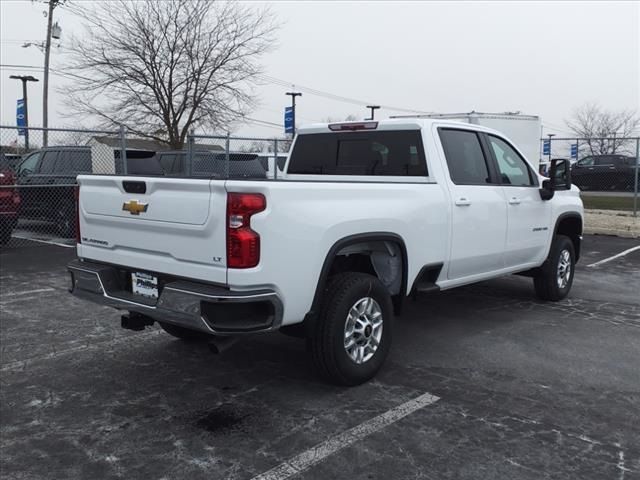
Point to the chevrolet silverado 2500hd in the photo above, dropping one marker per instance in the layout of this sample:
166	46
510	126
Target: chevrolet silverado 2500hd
364	215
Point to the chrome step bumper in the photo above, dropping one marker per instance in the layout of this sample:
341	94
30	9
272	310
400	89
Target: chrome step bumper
198	306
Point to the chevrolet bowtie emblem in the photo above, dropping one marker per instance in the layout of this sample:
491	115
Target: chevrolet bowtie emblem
135	208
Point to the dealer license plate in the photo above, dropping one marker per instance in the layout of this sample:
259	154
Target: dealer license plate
144	284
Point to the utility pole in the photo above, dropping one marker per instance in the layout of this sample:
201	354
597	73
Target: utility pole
293	109
25	79
45	84
373	109
551	135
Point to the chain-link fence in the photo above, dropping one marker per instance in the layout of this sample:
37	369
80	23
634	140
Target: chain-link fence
37	181
605	169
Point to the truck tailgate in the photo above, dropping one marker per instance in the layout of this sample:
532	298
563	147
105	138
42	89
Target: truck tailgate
176	227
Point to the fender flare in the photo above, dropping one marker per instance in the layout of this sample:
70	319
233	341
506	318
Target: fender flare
560	219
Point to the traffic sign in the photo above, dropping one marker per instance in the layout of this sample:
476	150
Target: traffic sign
288	119
21	120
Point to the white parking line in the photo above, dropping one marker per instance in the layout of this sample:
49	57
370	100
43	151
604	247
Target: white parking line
27	292
316	454
621	254
48	242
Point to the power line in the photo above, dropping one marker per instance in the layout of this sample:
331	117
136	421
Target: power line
332	96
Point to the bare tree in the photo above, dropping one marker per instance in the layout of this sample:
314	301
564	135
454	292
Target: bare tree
604	132
164	68
349	118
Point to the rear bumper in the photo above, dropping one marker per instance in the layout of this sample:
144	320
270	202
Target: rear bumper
198	306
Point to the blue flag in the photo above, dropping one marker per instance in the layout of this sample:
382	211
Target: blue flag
21	120
288	119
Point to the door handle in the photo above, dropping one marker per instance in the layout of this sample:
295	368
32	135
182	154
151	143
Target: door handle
514	201
463	202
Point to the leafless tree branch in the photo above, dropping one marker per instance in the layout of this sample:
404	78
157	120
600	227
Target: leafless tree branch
607	132
165	68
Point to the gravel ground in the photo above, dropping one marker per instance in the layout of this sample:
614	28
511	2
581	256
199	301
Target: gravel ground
612	222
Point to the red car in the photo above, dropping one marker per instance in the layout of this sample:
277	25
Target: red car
9	201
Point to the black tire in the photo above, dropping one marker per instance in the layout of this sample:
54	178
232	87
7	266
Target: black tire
65	218
327	342
184	333
550	283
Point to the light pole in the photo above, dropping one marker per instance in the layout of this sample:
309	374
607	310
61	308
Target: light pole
25	79
373	109
293	109
45	84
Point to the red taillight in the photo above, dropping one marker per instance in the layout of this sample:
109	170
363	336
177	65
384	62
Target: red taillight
336	127
77	195
243	244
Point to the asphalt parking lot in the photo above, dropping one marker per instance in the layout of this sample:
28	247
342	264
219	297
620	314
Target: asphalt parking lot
482	382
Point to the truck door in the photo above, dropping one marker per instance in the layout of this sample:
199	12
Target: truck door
479	211
528	216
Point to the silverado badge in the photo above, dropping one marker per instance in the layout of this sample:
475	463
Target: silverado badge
135	208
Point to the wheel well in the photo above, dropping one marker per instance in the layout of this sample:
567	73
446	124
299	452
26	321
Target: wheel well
381	255
571	226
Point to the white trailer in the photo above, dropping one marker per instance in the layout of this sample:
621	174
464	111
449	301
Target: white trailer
524	130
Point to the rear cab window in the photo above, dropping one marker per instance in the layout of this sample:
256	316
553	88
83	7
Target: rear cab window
361	153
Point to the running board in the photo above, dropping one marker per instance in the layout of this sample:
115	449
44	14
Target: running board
427	288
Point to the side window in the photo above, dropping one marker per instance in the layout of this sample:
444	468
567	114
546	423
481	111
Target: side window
29	164
465	158
586	162
512	167
80	161
604	160
64	163
48	162
167	163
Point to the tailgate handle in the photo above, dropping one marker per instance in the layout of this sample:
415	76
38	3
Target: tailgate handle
134	187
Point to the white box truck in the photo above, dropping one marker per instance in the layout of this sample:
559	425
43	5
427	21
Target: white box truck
524	130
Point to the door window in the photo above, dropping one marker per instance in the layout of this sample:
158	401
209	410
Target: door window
465	158
586	162
512	167
48	162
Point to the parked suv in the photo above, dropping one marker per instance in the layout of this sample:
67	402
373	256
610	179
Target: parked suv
9	200
47	179
604	172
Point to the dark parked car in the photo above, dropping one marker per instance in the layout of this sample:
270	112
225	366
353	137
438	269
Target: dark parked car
9	200
604	172
212	164
47	180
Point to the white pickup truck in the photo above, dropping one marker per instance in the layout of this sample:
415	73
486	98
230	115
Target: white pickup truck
364	215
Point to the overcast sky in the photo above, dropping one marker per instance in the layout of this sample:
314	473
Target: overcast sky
541	58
